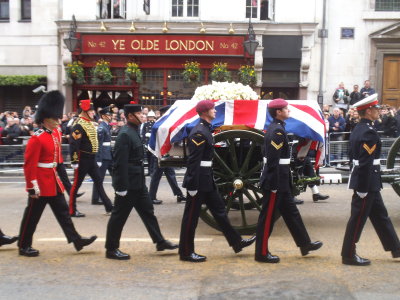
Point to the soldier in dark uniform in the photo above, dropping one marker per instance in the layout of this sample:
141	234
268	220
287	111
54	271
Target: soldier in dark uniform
130	187
104	155
365	180
157	173
201	188
6	240
83	148
276	185
42	155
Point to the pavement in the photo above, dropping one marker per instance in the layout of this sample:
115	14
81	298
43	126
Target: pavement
62	273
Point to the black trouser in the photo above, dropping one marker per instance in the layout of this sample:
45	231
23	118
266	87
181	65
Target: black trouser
34	211
106	165
191	217
371	206
156	177
140	200
62	173
283	202
87	165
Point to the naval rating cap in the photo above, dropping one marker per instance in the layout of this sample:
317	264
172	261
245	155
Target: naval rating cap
370	101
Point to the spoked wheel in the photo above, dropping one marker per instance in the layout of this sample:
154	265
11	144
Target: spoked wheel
393	161
237	166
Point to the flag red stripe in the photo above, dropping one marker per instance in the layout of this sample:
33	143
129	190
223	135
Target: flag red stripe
309	111
245	112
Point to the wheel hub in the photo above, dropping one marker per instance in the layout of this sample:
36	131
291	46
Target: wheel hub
237	184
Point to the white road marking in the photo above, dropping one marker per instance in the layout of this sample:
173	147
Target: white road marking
144	240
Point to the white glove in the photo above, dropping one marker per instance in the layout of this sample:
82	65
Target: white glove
122	193
148	134
75	166
36	187
192	193
362	195
274	191
99	163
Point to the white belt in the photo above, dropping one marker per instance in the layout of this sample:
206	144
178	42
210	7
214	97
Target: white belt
107	144
377	162
206	163
47	165
282	161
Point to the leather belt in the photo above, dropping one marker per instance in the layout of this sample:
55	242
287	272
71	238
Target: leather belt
377	162
107	144
282	161
206	163
47	165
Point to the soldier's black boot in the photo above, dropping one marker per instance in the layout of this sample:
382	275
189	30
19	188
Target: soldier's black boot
28	251
78	214
193	257
243	244
269	258
319	196
117	254
355	261
310	247
6	240
83	242
166	245
180	198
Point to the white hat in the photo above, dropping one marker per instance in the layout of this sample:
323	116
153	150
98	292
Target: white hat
370	101
151	114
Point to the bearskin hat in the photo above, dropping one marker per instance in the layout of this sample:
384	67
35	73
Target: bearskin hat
51	105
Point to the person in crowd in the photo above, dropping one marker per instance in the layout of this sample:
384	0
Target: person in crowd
386	122
158	114
104	155
355	95
337	125
326	109
6	240
201	188
84	146
27	112
352	120
367	90
42	182
11	132
365	180
275	183
130	187
341	97
156	173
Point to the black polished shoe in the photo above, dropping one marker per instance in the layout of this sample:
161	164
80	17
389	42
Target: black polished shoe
83	242
355	261
28	251
78	214
396	253
297	201
319	196
243	244
269	258
117	254
310	247
166	245
6	240
79	194
180	198
193	257
157	202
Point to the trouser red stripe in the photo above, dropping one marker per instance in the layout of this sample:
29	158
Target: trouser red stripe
267	225
353	244
72	192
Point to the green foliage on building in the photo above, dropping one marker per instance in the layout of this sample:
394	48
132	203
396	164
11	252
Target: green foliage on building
18	80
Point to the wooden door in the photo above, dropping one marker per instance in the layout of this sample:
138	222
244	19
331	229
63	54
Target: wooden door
391	80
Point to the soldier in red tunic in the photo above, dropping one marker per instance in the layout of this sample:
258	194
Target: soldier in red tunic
43	184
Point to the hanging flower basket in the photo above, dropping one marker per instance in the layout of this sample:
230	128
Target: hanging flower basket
247	75
219	72
133	72
102	72
75	72
192	71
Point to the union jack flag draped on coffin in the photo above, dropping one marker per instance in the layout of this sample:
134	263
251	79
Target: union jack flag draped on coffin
306	120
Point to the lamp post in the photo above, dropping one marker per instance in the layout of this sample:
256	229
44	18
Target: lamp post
71	41
251	44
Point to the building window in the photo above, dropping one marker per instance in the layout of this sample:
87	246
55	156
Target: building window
251	8
112	9
25	9
387	5
191	7
4	10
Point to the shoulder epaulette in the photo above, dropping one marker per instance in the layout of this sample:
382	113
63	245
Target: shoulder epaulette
38	132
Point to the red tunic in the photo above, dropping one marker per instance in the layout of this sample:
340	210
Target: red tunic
43	147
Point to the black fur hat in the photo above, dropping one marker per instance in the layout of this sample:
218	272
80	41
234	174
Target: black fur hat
51	105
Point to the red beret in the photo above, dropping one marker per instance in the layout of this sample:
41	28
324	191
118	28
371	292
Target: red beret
278	103
86	105
204	105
